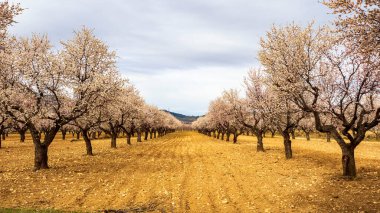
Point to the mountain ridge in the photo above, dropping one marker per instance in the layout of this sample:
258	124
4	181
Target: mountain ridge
184	118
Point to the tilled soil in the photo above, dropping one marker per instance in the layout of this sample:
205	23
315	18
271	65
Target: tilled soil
190	172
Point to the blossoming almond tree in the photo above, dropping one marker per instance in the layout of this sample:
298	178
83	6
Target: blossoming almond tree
48	86
7	13
322	75
250	112
358	21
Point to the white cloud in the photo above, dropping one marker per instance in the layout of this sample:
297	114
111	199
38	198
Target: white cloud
180	54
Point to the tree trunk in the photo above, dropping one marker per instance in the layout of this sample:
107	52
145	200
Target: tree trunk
218	135
272	134
228	136
139	136
3	135
113	140
287	145
155	134
293	134
348	162
78	135
214	134
0	142
40	156
307	136
88	142
146	135
260	145
151	134
223	135
22	135
235	135
128	139
328	137
63	132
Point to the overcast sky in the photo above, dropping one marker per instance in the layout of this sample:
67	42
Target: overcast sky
180	54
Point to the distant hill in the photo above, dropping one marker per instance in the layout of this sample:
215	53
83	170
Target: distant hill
183	118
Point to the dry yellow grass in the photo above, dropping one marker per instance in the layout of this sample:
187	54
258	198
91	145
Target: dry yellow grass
189	172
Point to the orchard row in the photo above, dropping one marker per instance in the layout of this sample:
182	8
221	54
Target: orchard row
313	78
78	87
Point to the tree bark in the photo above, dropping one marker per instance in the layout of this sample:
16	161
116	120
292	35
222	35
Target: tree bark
218	135
293	134
348	162
128	138
78	135
235	137
63	134
88	142
150	134
40	156
22	135
228	136
222	136
146	135
113	140
260	145
287	145
328	137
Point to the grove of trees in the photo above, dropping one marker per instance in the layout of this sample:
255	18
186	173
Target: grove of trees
322	78
75	88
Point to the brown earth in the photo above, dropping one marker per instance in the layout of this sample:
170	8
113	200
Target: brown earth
189	172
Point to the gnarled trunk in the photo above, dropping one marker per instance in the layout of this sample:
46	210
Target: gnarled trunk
235	135
63	134
113	140
287	145
128	138
22	135
260	145
88	142
40	156
348	162
293	133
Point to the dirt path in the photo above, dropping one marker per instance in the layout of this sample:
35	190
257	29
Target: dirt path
189	172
